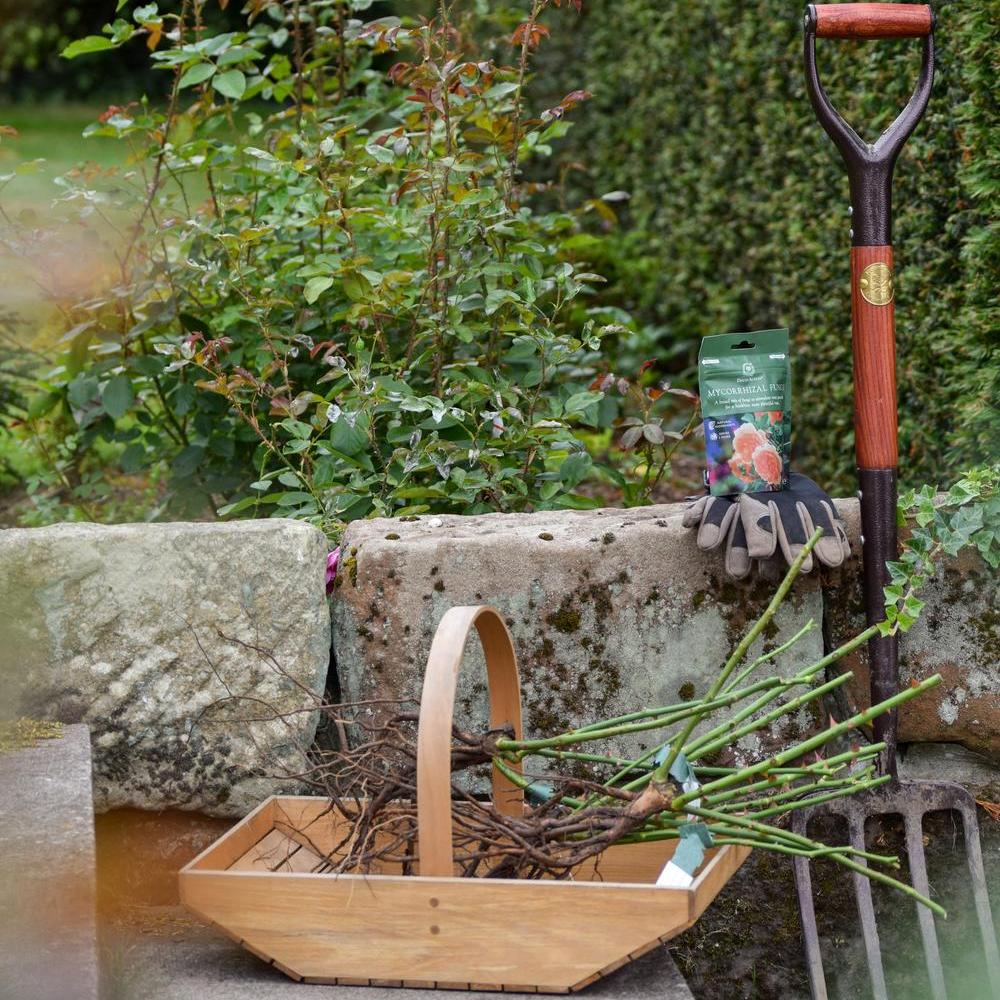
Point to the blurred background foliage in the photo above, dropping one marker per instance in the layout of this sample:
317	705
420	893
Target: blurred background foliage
695	190
738	216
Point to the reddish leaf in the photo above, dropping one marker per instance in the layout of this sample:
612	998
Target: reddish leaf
530	31
113	109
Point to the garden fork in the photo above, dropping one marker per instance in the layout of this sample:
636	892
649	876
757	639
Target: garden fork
869	169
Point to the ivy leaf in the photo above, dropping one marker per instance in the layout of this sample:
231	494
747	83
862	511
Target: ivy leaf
230	84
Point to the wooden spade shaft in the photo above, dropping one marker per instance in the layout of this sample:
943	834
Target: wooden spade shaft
869	169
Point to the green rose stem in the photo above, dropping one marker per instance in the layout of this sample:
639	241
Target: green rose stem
820	664
730	731
736	804
826	768
660	718
815	800
729	697
736	800
774	653
813	743
663	771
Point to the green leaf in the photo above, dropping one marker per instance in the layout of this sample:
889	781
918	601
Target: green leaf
84	46
420	493
574	501
573	470
350	440
579	401
198	73
356	286
293	498
188	460
230	84
240	505
117	396
133	458
315	287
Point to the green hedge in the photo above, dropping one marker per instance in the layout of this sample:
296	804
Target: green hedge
738	216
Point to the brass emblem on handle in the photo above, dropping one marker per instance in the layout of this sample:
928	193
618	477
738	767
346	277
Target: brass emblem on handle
876	284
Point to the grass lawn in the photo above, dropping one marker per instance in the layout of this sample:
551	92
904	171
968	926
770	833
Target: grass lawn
50	132
56	254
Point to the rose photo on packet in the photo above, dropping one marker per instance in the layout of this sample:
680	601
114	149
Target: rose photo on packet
745	387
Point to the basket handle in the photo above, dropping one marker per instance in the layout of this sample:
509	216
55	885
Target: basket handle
437	703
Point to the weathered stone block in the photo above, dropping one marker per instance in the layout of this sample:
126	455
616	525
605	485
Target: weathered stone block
616	610
611	610
957	636
145	632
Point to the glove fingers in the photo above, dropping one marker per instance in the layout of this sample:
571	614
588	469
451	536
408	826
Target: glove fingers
794	529
694	512
829	550
758	524
715	523
737	557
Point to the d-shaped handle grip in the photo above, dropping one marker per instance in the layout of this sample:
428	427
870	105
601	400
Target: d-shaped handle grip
872	20
870	165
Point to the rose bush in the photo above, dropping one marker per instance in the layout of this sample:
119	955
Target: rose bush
335	294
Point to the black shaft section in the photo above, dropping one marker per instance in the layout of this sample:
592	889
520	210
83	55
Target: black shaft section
871	201
878	528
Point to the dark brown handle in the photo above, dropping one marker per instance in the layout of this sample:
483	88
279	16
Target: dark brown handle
874	340
873	20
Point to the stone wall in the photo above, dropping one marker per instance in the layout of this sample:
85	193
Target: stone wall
158	636
151	634
614	610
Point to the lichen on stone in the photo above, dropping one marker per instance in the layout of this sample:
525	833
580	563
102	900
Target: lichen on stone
20	734
565	619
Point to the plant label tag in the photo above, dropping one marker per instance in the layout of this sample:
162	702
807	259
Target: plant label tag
678	872
673	877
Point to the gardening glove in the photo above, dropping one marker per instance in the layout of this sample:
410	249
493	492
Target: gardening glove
719	524
783	521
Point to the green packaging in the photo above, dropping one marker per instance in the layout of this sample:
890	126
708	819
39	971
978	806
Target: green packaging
746	396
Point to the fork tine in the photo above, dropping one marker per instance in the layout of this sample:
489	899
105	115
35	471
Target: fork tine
866	911
918	875
974	854
810	932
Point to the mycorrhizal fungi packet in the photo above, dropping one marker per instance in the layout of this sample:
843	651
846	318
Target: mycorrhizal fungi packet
746	394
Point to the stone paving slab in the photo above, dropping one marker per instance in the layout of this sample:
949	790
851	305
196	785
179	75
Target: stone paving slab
173	958
48	924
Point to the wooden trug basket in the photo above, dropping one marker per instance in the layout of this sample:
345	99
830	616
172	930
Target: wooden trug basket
262	883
